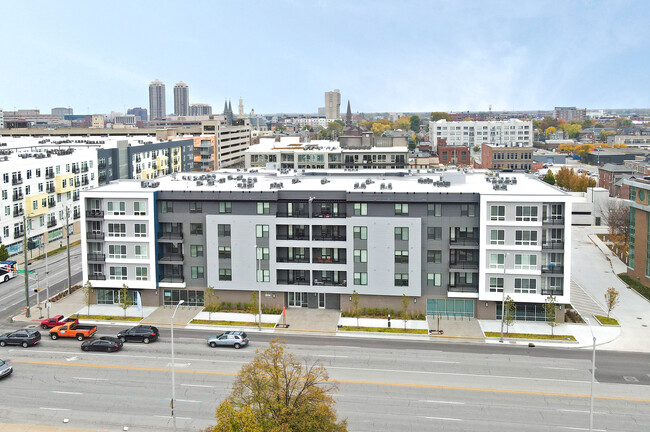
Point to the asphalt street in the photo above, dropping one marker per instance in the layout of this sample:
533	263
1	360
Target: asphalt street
383	384
12	292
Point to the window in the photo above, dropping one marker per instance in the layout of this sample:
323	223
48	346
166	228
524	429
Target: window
525	286
262	253
261	231
401	209
434	233
196	228
263	275
360	209
497	261
263	208
223	230
196	207
526	262
141	273
166	207
497	237
401	279
496	284
526	213
140	208
401	256
525	238
141	251
225	207
468	210
197	251
361	278
361	255
401	233
116	208
197	272
116	230
434	210
116	251
360	232
497	213
434	279
225	274
434	256
117	273
140	230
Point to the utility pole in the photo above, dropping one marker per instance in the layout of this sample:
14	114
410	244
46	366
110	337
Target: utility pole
67	238
27	314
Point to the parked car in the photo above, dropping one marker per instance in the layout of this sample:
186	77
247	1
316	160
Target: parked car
141	333
24	337
5	369
73	330
104	343
236	339
57	321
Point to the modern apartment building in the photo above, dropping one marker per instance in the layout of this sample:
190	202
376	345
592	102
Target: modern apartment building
157	104
477	133
638	266
454	242
570	114
181	99
290	153
333	104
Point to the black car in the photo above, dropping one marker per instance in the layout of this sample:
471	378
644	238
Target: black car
24	337
104	343
141	333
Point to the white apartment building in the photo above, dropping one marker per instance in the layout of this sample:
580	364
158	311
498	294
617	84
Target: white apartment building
2	120
477	133
454	242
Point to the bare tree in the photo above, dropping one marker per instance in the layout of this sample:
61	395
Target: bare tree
611	299
616	214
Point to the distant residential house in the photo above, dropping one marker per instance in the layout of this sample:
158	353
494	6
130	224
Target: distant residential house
611	176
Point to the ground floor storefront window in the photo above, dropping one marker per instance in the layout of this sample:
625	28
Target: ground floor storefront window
113	296
526	312
450	307
190	297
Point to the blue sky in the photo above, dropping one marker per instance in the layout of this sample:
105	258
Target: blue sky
280	56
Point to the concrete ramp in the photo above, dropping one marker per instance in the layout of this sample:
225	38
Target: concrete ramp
163	315
311	319
584	303
456	327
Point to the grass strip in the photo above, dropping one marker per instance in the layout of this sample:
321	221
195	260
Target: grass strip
231	323
636	285
383	330
107	317
530	336
605	320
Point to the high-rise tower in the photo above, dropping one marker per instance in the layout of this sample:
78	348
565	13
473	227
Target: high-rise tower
181	99
157	104
333	104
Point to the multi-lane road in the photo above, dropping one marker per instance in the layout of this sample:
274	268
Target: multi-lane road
384	385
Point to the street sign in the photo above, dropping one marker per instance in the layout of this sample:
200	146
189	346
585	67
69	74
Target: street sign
23	271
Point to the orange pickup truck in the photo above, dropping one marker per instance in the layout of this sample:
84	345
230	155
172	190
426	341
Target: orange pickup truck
73	330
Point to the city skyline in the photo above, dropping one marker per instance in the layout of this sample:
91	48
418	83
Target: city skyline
457	57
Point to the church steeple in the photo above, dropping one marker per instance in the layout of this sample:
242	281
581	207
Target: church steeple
348	116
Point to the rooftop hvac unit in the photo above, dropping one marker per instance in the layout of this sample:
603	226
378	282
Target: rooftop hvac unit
199	183
143	184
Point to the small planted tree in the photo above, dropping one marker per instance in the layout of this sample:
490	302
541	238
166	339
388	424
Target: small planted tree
355	305
405	308
88	295
611	299
125	298
211	301
509	313
549	310
4	254
253	307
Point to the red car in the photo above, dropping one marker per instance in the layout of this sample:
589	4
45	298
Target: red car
57	321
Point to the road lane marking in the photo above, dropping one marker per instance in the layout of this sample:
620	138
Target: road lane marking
440	418
443	361
65	392
188	401
341	381
328	355
443	402
560	368
90	379
580	428
179	418
197	385
56	409
581	411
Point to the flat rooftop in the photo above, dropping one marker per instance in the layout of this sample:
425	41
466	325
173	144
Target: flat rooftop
376	181
64	142
269	145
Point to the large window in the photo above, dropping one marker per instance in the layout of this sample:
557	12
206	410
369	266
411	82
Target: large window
263	208
116	230
263	275
525	238
526	213
225	207
401	279
468	210
117	251
197	251
361	278
434	256
166	207
112	296
140	230
197	272
225	274
140	251
525	262
496	284
261	231
525	286
402	256
497	261
497	237
360	232
140	208
190	297
360	255
196	228
434	279
434	210
141	273
401	209
223	230
401	233
434	233
360	209
117	273
116	208
450	307
196	207
526	312
262	253
497	213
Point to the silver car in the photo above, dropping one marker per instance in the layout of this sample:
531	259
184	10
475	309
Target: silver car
5	369
236	339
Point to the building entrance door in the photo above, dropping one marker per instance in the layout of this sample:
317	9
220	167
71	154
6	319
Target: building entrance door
321	300
297	299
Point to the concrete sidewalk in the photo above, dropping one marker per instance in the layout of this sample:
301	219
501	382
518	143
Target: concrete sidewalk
163	315
68	305
323	320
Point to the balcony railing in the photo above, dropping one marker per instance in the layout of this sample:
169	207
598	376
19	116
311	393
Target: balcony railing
84	182
51	202
50	188
75	196
84	169
552	268
172	279
553	245
95	236
292	237
97	276
49	175
401	282
464	241
170	236
77	214
292	260
171	257
19	212
19	233
101	165
75	169
51	223
18	196
293	282
15	181
97	257
553	220
552	291
464	264
328	237
327	260
329	215
94	213
295	214
463	288
330	282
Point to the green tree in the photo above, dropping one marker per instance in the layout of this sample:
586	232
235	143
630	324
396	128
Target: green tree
279	128
355	305
277	393
550	311
126	299
405	308
435	116
415	123
510	308
587	123
611	299
88	295
549	177
4	254
335	126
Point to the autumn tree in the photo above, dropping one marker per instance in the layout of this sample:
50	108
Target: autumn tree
276	392
435	116
405	309
550	311
126	299
549	177
604	134
253	307
509	311
616	215
550	131
380	126
611	299
402	123
211	301
88	295
565	148
355	305
583	149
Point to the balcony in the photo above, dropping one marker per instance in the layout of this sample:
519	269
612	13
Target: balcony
295	236
172	279
552	269
84	169
399	259
292	260
95	236
464	241
553	220
294	214
463	265
51	223
331	282
19	233
552	291
170	236
97	257
76	214
328	260
50	188
49	175
18	196
293	282
171	257
101	177
75	196
101	165
95	214
75	169
19	212
553	245
328	214
401	282
84	182
463	288
97	276
15	181
51	202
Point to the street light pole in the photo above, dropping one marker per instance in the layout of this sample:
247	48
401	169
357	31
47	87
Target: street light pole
173	367
67	238
47	279
503	295
593	375
259	290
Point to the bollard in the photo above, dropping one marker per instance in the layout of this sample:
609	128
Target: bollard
388	320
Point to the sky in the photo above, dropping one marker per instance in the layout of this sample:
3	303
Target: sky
281	56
